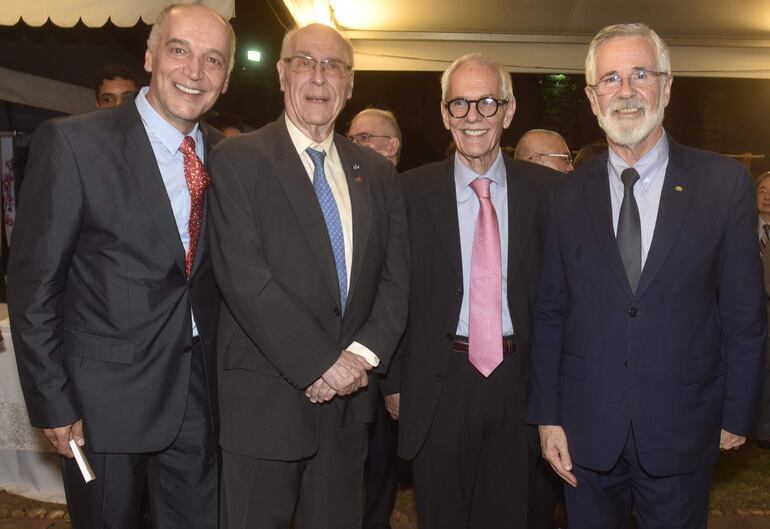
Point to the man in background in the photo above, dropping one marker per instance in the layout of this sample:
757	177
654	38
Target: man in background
112	299
114	85
545	147
377	129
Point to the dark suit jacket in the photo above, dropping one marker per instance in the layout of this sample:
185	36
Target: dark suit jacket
281	325
681	359
98	299
436	289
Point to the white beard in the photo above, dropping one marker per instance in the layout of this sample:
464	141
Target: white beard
626	132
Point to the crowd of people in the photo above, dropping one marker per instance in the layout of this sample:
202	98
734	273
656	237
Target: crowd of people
250	328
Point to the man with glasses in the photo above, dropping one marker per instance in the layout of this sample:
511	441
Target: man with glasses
475	223
377	129
650	316
545	147
308	236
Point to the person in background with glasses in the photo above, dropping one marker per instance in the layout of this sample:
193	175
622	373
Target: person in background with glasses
650	316
377	129
475	224
309	246
545	147
761	433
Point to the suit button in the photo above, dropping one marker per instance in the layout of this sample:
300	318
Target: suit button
439	378
459	291
633	312
337	311
449	337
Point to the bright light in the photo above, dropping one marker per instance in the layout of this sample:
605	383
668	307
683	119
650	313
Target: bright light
254	55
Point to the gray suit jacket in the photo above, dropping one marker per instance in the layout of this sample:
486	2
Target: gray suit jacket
281	325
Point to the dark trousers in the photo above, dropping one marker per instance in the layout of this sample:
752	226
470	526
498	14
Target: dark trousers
324	491
181	479
472	471
381	470
604	500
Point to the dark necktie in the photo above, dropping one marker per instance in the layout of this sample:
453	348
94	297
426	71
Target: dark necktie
764	238
485	331
332	217
630	230
197	182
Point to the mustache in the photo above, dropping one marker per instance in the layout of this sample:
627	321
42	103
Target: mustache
626	104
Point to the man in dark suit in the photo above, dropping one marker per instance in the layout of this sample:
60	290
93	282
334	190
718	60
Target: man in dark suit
308	236
650	322
112	298
464	361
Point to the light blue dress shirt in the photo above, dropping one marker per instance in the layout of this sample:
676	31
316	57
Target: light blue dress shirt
467	211
652	172
165	141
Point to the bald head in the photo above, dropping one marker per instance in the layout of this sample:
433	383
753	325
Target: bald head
545	147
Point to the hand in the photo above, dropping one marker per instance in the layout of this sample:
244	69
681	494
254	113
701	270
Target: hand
392	405
348	374
319	392
555	451
60	437
730	441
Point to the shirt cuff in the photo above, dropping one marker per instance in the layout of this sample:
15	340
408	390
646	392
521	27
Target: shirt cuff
365	352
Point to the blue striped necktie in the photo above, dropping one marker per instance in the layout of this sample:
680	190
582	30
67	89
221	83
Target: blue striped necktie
332	217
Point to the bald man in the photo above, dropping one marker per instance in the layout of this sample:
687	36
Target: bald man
545	147
377	129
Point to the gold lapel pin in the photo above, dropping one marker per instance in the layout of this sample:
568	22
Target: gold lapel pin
678	189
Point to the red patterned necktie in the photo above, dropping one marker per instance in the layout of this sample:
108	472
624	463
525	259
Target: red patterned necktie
197	182
485	331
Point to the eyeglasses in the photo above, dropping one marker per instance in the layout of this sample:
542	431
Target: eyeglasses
486	106
610	84
304	64
363	138
562	156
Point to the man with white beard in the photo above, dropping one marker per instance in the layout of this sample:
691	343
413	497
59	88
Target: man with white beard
650	321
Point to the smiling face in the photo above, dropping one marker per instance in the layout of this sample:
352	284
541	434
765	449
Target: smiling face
189	65
631	117
313	100
477	137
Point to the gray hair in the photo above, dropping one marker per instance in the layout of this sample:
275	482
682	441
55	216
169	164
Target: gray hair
289	37
506	85
388	116
152	40
626	30
762	178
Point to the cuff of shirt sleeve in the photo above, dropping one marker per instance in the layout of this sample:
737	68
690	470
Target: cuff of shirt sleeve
365	352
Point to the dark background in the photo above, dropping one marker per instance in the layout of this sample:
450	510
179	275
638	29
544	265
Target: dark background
724	115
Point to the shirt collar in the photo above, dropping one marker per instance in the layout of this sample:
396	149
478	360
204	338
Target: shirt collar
302	142
648	166
464	175
170	137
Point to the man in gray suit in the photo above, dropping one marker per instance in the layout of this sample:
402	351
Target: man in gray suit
111	295
309	246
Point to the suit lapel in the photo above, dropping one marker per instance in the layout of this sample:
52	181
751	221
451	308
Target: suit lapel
521	216
442	210
359	191
597	199
678	189
299	191
143	169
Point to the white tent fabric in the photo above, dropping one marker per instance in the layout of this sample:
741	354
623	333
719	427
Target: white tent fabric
95	13
36	91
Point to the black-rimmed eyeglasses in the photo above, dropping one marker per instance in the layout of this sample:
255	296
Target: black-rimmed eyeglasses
304	64
485	106
609	84
363	138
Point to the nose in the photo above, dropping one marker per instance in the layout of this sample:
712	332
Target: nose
473	113
194	68
318	76
625	87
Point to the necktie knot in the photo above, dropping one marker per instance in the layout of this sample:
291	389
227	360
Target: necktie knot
766	229
188	146
316	156
629	177
480	186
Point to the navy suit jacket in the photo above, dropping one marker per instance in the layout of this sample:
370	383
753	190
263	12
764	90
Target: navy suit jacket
679	360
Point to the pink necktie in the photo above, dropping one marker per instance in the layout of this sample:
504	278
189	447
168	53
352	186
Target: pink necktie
197	182
485	334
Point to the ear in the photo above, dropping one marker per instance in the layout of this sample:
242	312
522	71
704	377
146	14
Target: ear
667	90
393	146
445	116
510	110
148	59
350	85
594	100
281	67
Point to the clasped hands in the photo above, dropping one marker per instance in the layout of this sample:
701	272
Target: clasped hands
347	375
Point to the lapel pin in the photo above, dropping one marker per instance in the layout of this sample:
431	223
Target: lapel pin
359	179
678	189
356	167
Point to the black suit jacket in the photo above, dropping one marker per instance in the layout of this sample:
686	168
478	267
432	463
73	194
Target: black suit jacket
281	326
98	299
681	358
436	289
